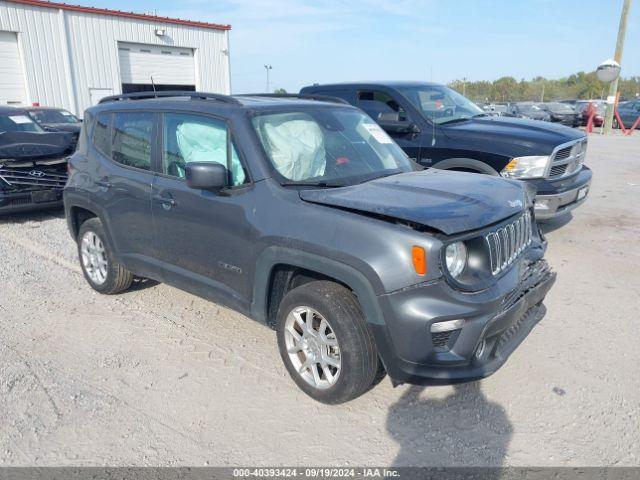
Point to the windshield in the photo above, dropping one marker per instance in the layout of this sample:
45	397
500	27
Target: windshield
441	104
330	147
18	122
53	116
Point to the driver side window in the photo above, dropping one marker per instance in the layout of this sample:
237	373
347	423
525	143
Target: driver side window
377	103
195	138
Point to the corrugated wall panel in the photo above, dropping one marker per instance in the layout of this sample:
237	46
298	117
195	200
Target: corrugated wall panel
40	42
93	51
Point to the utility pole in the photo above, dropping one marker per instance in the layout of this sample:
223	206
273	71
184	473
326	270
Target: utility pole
464	86
542	94
268	68
613	88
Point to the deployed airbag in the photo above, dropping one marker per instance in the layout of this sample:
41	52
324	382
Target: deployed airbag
296	146
199	142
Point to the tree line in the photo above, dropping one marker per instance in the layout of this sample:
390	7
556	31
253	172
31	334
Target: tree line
580	85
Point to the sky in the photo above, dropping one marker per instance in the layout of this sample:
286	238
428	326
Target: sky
324	41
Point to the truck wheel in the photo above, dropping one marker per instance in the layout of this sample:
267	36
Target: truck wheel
102	272
325	342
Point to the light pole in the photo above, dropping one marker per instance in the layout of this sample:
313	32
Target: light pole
613	88
268	68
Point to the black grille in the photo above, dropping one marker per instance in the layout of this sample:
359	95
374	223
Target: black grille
558	170
16	202
563	153
34	177
441	339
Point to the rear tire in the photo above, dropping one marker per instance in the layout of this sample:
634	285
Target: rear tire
320	326
99	268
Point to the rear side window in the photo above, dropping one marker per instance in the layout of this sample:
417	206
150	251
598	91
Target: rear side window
131	139
102	134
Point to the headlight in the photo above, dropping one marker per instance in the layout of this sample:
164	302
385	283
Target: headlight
526	167
456	258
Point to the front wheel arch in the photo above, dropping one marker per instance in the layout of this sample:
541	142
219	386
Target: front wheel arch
466	165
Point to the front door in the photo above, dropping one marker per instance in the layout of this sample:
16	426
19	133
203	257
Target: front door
204	240
377	103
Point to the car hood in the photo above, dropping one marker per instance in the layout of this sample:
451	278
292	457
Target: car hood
34	145
451	202
510	136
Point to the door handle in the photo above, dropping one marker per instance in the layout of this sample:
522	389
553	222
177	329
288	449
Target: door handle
167	202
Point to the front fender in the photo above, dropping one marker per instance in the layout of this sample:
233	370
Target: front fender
275	255
466	163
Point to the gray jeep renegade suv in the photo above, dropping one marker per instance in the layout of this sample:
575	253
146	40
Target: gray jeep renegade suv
301	212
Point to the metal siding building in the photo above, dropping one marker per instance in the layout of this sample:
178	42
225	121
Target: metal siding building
70	56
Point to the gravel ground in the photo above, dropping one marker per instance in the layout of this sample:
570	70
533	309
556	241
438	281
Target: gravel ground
159	377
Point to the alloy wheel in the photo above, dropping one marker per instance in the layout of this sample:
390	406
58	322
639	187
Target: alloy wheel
312	347
94	258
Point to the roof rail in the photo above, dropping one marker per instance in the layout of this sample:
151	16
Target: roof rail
303	96
172	93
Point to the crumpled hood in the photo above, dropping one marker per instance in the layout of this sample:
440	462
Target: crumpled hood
451	202
32	145
510	137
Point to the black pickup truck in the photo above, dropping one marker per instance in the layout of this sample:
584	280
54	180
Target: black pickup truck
438	127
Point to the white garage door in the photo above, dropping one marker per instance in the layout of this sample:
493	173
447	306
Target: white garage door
167	65
12	89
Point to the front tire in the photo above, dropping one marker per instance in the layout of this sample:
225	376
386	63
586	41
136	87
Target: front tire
99	268
325	342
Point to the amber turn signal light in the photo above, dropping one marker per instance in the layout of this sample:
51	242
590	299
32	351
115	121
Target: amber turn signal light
419	258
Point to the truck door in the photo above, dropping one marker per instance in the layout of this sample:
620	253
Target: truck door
378	105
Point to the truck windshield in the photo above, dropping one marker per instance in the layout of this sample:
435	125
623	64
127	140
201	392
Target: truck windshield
328	147
441	104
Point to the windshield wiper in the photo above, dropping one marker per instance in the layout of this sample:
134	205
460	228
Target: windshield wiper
455	120
377	177
313	184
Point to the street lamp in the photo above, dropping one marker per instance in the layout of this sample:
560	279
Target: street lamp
267	68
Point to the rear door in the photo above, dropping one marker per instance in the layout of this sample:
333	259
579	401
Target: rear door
122	184
204	239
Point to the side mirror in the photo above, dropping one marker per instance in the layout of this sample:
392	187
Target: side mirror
391	123
206	175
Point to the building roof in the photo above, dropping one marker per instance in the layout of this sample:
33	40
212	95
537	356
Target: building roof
119	13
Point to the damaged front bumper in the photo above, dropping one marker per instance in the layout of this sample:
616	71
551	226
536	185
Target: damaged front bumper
494	323
558	197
